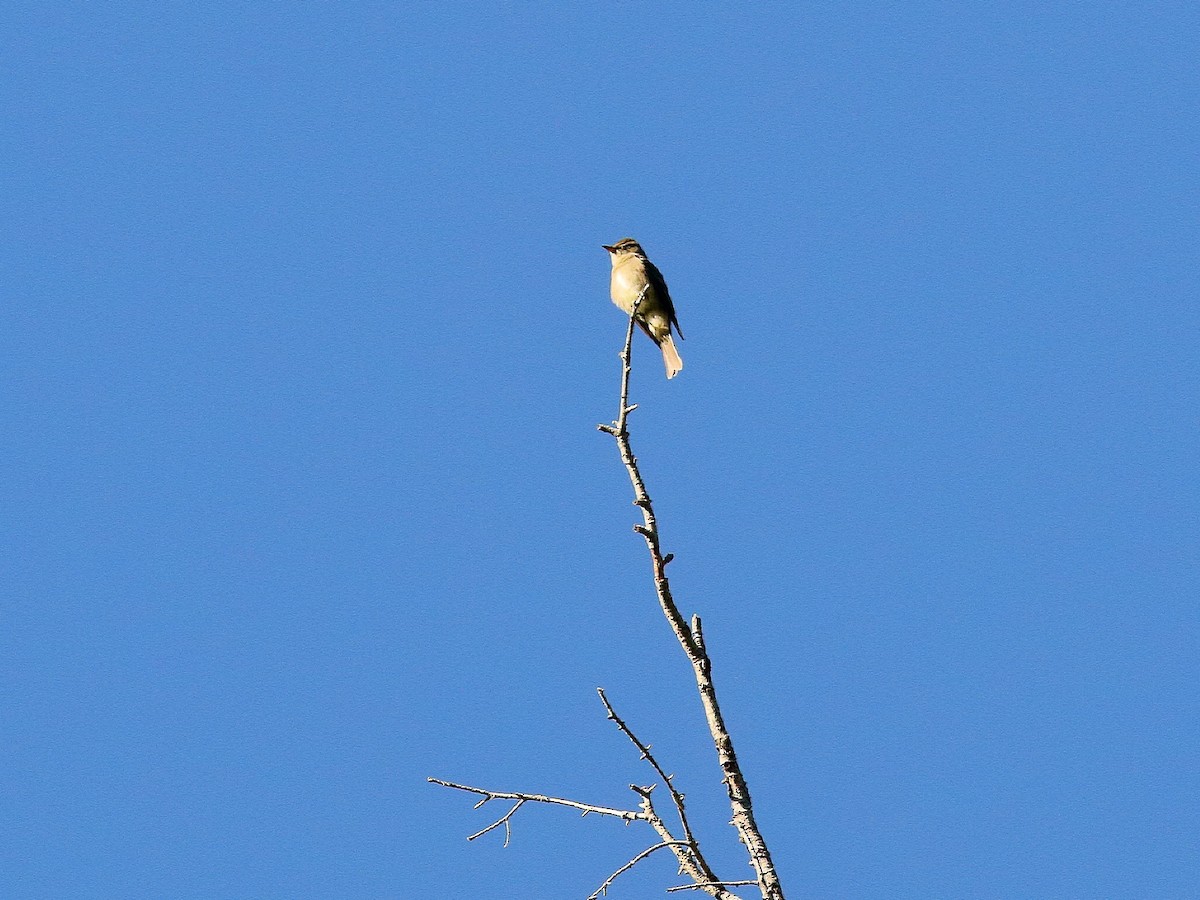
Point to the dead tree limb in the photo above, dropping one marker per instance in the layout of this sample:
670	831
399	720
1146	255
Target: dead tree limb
691	639
686	849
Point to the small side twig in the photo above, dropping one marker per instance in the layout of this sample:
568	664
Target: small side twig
707	884
603	889
628	815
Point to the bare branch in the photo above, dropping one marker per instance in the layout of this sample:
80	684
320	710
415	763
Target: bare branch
691	639
603	889
685	852
707	884
668	780
628	815
618	427
692	643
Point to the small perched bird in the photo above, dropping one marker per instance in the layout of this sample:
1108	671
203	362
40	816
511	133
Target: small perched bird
631	272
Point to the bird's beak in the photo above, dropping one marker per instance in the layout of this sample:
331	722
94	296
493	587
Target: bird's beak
608	248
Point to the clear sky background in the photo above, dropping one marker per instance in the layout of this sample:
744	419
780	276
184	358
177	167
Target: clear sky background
304	340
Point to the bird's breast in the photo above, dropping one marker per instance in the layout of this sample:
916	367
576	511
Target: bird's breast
628	279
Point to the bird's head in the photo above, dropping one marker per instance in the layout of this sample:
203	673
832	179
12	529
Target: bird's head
624	246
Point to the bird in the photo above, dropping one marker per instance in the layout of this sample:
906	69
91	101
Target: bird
631	273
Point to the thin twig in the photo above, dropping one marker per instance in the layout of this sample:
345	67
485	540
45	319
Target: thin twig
676	797
707	884
603	889
627	815
693	645
503	820
618	427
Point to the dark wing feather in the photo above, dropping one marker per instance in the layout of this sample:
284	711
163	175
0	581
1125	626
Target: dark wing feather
660	290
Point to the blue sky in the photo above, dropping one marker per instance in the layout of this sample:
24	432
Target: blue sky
306	337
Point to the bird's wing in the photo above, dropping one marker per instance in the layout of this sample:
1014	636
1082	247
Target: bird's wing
660	290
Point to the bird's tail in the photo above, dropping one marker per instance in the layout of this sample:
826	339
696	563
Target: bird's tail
670	356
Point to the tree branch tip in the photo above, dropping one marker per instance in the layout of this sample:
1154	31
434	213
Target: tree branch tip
668	559
607	429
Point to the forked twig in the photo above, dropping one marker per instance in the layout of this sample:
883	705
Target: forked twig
503	820
686	853
668	780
